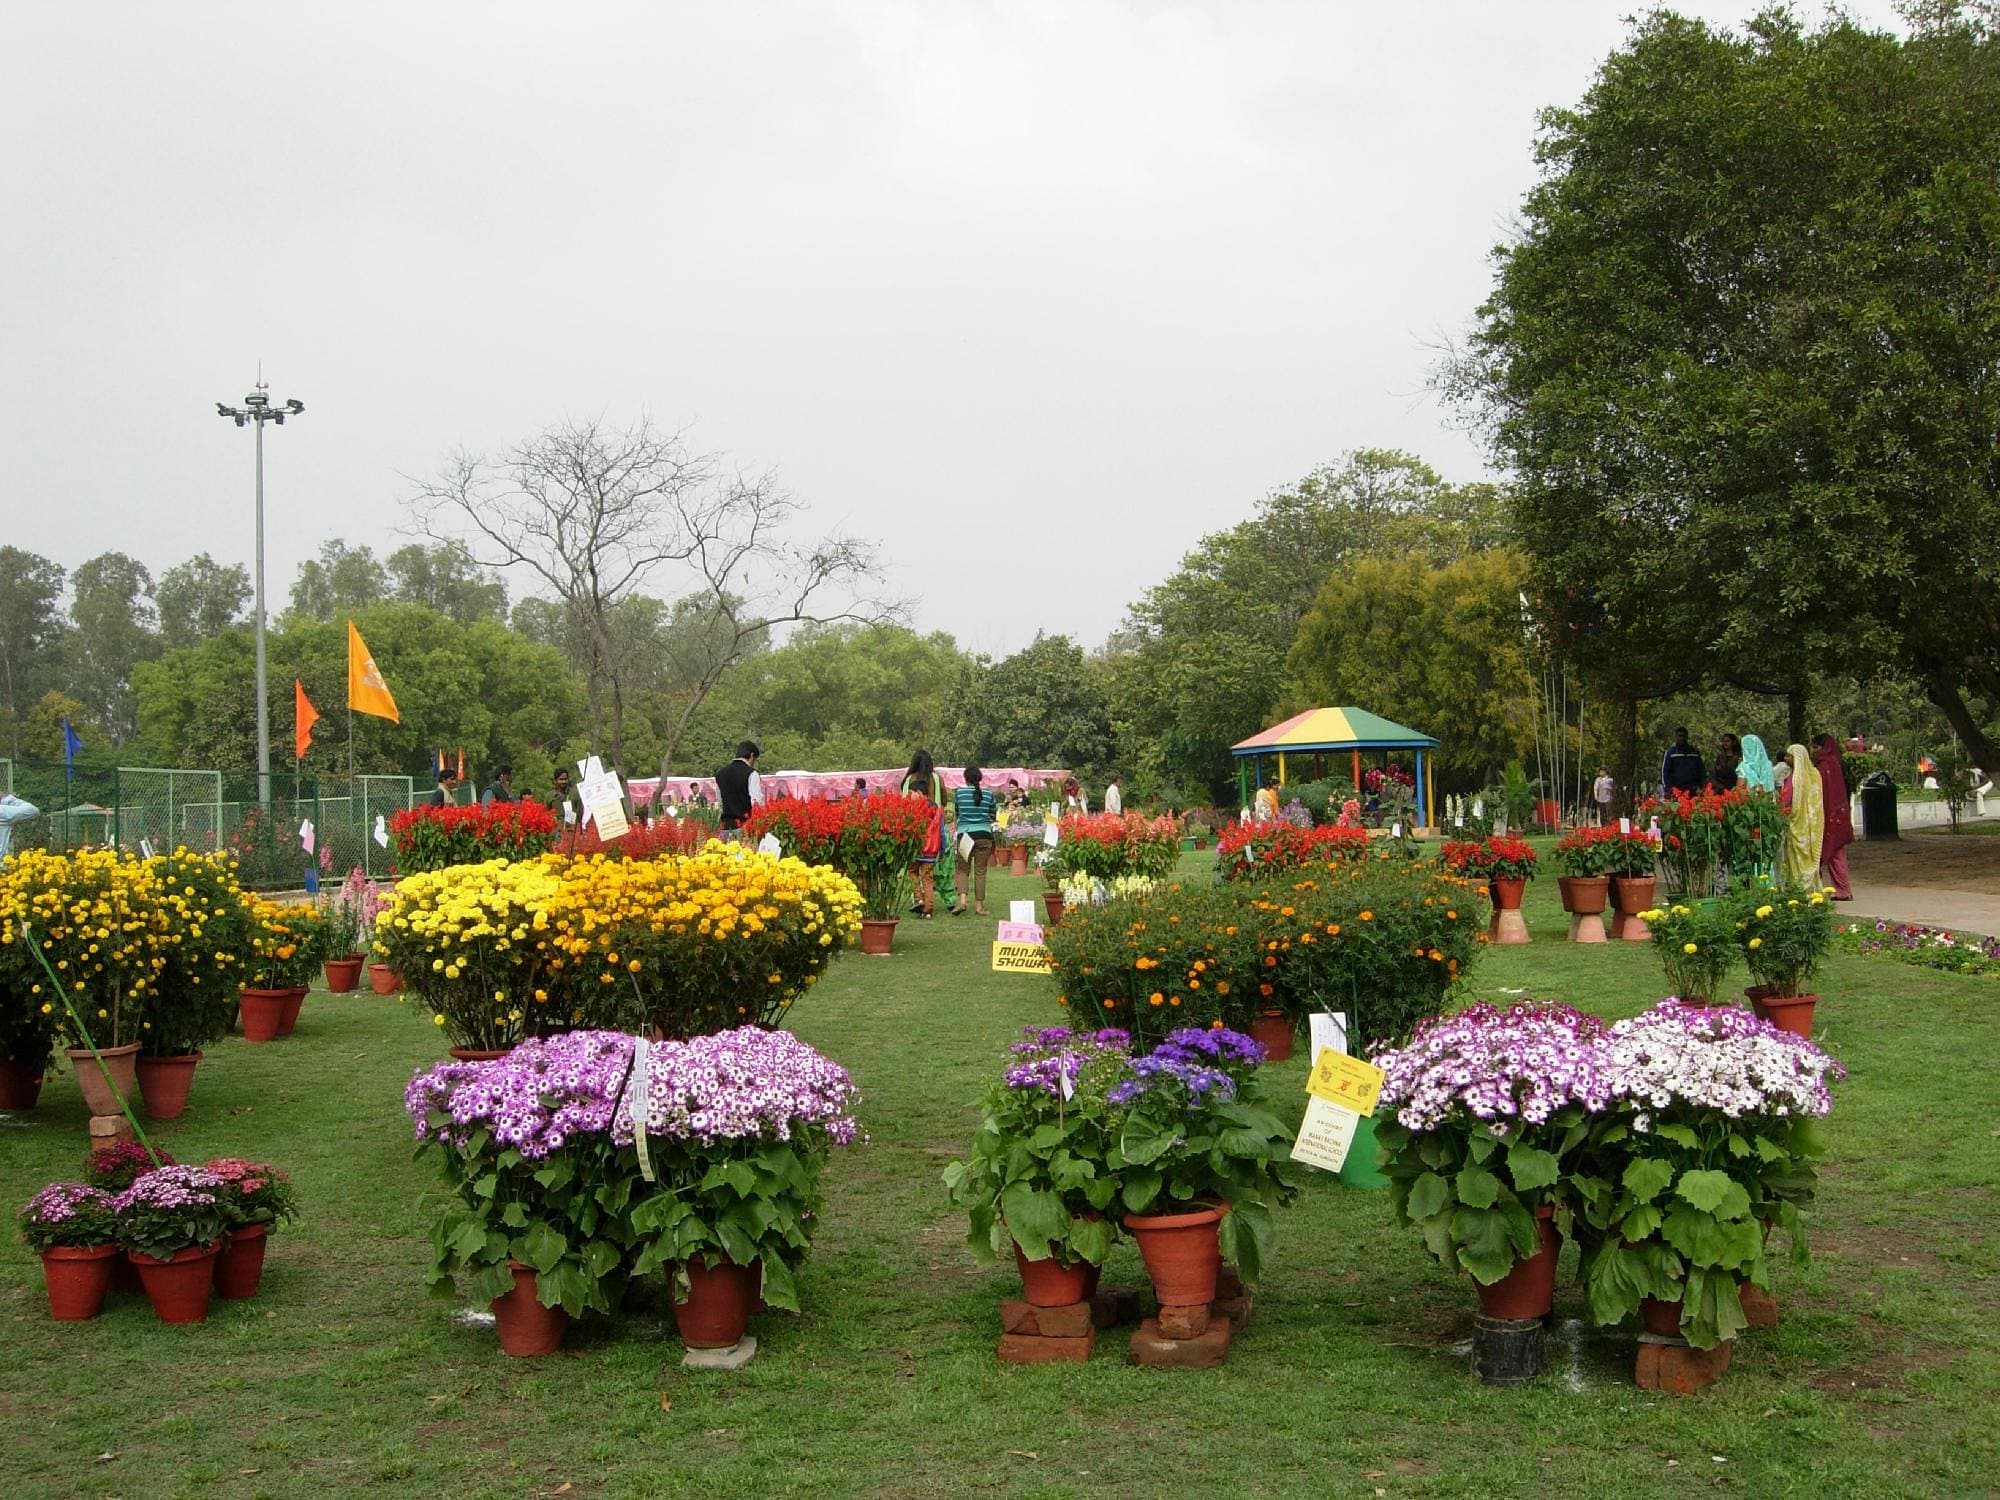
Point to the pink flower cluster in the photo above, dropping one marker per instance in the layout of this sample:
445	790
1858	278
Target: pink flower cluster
746	1084
1519	1065
60	1202
533	1099
168	1188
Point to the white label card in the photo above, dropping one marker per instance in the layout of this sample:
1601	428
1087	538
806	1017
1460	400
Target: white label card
306	835
1050	833
769	844
145	848
1395	830
1020	911
1624	825
1326	1135
1326	1031
965	846
381	830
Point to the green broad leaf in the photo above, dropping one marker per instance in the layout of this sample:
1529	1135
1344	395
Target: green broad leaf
542	1247
740	1177
1480	1146
1531	1167
514	1216
737	1245
600	1259
1485	1247
1680	1135
1034	1217
1610	1282
954	1177
469	1241
1430	1195
1713	1309
1707	1241
484	1187
1070	1173
1646	1177
1046	1136
1099	1192
1714	1193
492	1280
1641	1223
1143	1140
1770	1150
1247	1237
1437	1239
1521	1227
1141	1189
1091	1239
1737	1146
780	1289
1477	1187
554	1175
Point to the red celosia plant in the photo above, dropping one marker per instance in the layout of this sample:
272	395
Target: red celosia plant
808	830
873	840
1105	846
1501	857
431	838
1246	850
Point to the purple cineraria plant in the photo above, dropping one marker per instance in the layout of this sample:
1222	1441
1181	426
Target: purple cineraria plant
1051	1059
1501	1067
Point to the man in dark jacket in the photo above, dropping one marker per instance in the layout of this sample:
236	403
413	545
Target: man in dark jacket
1682	769
737	786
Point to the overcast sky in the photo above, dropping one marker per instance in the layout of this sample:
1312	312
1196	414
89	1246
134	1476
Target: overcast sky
1032	293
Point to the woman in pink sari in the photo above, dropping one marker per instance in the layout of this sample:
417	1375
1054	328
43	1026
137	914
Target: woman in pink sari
1839	817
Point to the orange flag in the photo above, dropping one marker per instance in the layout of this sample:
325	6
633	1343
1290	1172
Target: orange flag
367	693
304	716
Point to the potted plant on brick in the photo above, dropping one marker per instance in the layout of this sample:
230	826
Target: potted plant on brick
1037	1182
73	1228
1584	860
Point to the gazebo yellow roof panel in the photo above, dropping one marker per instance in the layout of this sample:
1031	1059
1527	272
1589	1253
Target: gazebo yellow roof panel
1335	729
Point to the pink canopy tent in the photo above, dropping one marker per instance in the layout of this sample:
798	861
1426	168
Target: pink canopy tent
823	784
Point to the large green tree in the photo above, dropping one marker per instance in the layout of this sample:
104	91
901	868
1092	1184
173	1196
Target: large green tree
1441	649
200	598
1046	705
112	631
339	582
31	631
1741	360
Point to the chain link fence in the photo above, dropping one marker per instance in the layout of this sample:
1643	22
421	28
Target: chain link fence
157	808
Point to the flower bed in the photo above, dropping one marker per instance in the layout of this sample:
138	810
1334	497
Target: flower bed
873	840
431	838
1105	846
1914	943
1383	939
1704	835
1499	857
1249	851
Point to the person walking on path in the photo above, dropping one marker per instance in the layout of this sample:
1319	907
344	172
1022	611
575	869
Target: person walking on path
922	780
738	787
1805	823
1754	770
1603	791
1839	816
1114	800
973	808
1681	770
1728	758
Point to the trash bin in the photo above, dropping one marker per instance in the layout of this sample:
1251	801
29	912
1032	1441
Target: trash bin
1878	806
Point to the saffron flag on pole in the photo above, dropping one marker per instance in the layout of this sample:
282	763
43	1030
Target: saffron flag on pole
304	716
367	693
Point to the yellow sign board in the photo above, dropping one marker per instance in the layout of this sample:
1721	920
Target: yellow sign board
1346	1081
1021	958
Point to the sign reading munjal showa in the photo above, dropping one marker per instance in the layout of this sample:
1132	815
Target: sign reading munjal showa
1021	958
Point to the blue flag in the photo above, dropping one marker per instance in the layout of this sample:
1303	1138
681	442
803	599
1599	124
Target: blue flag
72	742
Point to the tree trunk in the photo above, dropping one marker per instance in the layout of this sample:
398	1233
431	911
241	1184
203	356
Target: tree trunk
1944	692
1795	713
1628	750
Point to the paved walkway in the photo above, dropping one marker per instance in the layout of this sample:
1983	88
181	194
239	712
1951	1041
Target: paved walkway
1962	911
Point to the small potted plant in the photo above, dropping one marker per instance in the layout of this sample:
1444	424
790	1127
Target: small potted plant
1480	1122
881	837
1584	861
256	1198
171	1223
1037	1182
73	1228
1697	947
343	920
1634	861
1504	862
281	967
1202	1159
1784	936
194	989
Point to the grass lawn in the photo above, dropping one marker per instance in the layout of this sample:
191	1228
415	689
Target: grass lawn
1352	1378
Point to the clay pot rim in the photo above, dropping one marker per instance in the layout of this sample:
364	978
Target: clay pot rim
1185	1219
125	1051
179	1257
173	1057
81	1252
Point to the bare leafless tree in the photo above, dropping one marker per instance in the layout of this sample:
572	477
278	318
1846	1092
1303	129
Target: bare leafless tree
598	515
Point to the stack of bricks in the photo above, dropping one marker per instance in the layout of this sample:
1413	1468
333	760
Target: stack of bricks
1031	1335
1196	1337
1677	1367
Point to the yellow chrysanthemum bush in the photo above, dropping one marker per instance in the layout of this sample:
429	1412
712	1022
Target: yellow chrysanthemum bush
282	943
205	928
471	941
95	914
682	945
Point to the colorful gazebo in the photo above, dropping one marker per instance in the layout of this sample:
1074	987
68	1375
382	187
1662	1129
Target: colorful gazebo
1319	730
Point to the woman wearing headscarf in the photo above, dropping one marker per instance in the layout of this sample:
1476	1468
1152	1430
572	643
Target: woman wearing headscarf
1754	769
1805	823
1839	816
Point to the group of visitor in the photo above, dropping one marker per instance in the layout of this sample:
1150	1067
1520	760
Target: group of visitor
1810	785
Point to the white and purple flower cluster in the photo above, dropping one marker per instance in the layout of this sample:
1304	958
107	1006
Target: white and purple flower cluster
743	1084
1522	1064
1714	1058
170	1188
1048	1057
61	1203
746	1084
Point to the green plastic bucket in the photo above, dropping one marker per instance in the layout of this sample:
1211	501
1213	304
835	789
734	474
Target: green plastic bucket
1359	1169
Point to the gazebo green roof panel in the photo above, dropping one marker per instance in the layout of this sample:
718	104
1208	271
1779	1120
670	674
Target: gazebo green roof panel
1334	729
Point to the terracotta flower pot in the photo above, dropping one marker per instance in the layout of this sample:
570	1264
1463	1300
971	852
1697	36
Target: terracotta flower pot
1272	1029
1793	1013
164	1083
1633	893
384	979
343	974
527	1329
263	1013
1507	894
1660	1318
179	1286
1017	859
1183	1253
718	1304
239	1267
1529	1290
20	1084
1049	1283
478	1054
78	1277
295	997
1585	895
106	1098
1052	902
877	935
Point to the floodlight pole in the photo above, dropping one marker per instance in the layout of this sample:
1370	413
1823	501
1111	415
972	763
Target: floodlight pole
256	411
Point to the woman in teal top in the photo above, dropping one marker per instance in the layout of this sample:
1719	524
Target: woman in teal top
974	808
